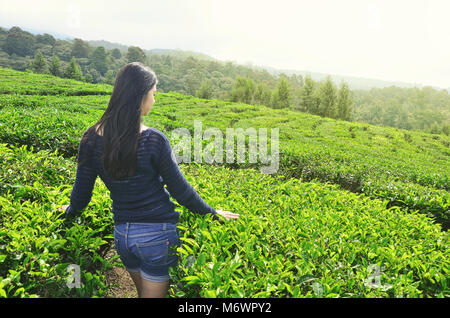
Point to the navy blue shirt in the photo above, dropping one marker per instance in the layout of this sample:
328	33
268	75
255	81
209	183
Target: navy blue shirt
141	197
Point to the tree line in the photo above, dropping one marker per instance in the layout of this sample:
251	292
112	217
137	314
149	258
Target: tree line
78	60
424	109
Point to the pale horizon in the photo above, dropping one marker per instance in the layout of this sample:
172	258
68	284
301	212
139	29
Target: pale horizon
395	41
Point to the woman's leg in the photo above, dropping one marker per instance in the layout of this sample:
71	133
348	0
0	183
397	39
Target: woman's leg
154	244
136	276
147	289
154	289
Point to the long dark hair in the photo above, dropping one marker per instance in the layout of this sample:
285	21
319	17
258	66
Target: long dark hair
122	120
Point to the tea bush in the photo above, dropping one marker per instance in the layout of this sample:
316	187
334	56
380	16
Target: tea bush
346	197
292	238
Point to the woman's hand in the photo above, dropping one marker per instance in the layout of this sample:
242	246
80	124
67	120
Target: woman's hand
63	208
228	215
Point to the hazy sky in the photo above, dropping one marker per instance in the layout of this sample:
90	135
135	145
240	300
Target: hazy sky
391	40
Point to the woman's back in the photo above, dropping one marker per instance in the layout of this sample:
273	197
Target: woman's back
141	197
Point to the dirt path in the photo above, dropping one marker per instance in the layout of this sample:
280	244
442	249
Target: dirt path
122	285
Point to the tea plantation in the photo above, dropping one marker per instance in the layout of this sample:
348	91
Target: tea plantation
349	200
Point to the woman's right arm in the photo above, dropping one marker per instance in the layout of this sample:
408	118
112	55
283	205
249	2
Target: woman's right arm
177	185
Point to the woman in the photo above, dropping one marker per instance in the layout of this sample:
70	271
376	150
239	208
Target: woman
135	162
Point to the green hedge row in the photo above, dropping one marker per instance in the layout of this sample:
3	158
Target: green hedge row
28	83
293	239
324	153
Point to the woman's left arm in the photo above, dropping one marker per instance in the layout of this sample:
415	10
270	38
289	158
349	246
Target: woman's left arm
84	185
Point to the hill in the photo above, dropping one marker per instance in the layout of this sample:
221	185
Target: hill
346	198
182	54
353	82
194	73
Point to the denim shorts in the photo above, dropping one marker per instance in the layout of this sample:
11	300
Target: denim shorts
148	248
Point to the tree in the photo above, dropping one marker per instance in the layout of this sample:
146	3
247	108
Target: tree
243	90
275	99
19	42
95	75
283	93
115	53
307	102
190	63
191	82
205	90
344	102
45	39
376	113
390	115
73	70
63	50
327	95
39	63
403	120
258	94
168	61
435	129
80	48
109	77
446	128
55	66
98	60
266	96
88	78
300	80
296	81
136	54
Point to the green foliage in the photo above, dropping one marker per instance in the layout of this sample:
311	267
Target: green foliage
205	90
115	53
24	170
309	148
39	64
274	99
344	103
243	90
109	77
292	235
55	66
37	246
19	42
80	49
46	39
283	93
327	99
321	240
307	101
15	82
73	70
424	109
94	76
89	78
262	95
98	60
136	54
246	91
